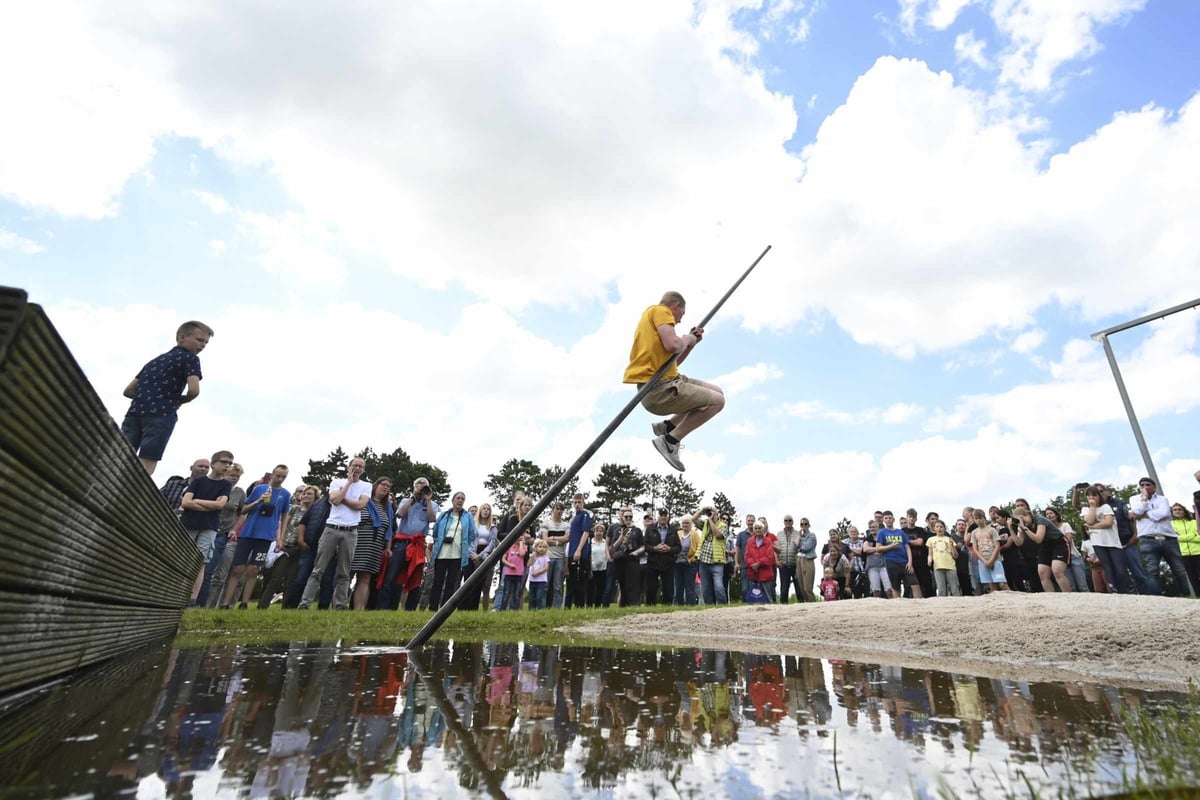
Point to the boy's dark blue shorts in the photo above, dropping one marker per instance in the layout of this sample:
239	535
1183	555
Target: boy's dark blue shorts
148	435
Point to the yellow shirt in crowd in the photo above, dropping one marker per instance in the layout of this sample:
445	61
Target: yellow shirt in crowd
942	549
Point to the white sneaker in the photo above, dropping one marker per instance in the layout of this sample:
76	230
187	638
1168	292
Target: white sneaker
659	428
669	451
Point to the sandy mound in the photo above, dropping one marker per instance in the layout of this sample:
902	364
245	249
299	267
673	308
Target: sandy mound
1118	639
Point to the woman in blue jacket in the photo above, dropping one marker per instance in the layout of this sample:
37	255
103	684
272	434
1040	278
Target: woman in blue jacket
453	542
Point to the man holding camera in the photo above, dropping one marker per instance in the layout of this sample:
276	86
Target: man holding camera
413	518
1157	538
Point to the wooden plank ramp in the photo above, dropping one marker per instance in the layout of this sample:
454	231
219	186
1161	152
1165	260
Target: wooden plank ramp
93	563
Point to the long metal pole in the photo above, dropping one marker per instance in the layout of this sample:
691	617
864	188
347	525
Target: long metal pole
485	566
1133	420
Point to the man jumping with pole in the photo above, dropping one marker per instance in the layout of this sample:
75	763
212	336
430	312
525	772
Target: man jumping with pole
534	513
690	402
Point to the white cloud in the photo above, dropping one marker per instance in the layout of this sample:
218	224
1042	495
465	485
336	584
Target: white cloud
745	378
743	428
1045	34
1028	341
19	244
895	414
1039	36
213	202
217	248
970	49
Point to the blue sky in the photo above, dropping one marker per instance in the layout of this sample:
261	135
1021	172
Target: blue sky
434	227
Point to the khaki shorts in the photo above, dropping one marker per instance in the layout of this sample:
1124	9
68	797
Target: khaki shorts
678	395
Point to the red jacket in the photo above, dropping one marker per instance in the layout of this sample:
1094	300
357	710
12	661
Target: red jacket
763	555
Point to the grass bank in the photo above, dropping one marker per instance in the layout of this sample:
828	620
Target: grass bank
202	625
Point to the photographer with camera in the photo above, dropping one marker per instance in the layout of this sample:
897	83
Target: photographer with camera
624	548
407	559
711	554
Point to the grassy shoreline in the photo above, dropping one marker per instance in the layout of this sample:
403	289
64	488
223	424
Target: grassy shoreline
203	625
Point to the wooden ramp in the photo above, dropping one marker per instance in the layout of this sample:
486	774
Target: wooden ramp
93	563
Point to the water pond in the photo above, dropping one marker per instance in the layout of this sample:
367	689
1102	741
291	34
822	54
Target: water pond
464	719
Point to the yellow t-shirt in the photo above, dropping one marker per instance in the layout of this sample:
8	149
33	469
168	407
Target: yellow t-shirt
648	353
942	549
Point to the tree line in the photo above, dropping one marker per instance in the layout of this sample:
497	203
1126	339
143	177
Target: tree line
614	486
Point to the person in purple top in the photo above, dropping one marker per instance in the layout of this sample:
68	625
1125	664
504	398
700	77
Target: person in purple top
157	393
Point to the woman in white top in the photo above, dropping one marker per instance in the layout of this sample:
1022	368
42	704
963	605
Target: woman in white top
1102	527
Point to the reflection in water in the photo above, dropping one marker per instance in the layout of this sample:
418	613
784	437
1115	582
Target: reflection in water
509	719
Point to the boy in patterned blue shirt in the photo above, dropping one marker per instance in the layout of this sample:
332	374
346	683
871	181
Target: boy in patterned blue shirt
158	391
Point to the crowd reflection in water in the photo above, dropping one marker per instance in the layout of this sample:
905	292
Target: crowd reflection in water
305	719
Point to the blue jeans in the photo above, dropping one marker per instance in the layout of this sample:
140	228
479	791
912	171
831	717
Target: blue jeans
1165	548
218	550
787	579
555	575
685	584
1116	568
396	562
712	584
537	593
512	591
1133	558
307	559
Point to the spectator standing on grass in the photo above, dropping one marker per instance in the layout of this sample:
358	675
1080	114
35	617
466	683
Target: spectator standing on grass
577	567
686	566
1052	548
1184	524
222	557
376	521
860	587
157	392
513	575
943	556
266	514
806	559
985	543
877	572
308	537
1076	574
743	536
968	576
507	523
661	540
831	589
786	549
1157	539
711	555
595	551
287	566
1128	535
761	560
1100	520
172	491
1010	553
898	556
485	543
836	559
408	547
453	540
202	503
556	532
917	537
347	498
624	547
539	572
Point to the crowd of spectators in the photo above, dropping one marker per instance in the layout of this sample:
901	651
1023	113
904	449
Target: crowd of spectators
357	545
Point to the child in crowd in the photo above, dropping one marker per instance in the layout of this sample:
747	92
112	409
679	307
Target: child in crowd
539	574
942	554
830	588
514	574
985	542
599	563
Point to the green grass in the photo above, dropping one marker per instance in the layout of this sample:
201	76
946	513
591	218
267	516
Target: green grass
275	624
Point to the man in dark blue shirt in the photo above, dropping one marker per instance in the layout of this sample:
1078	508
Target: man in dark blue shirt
157	393
577	571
